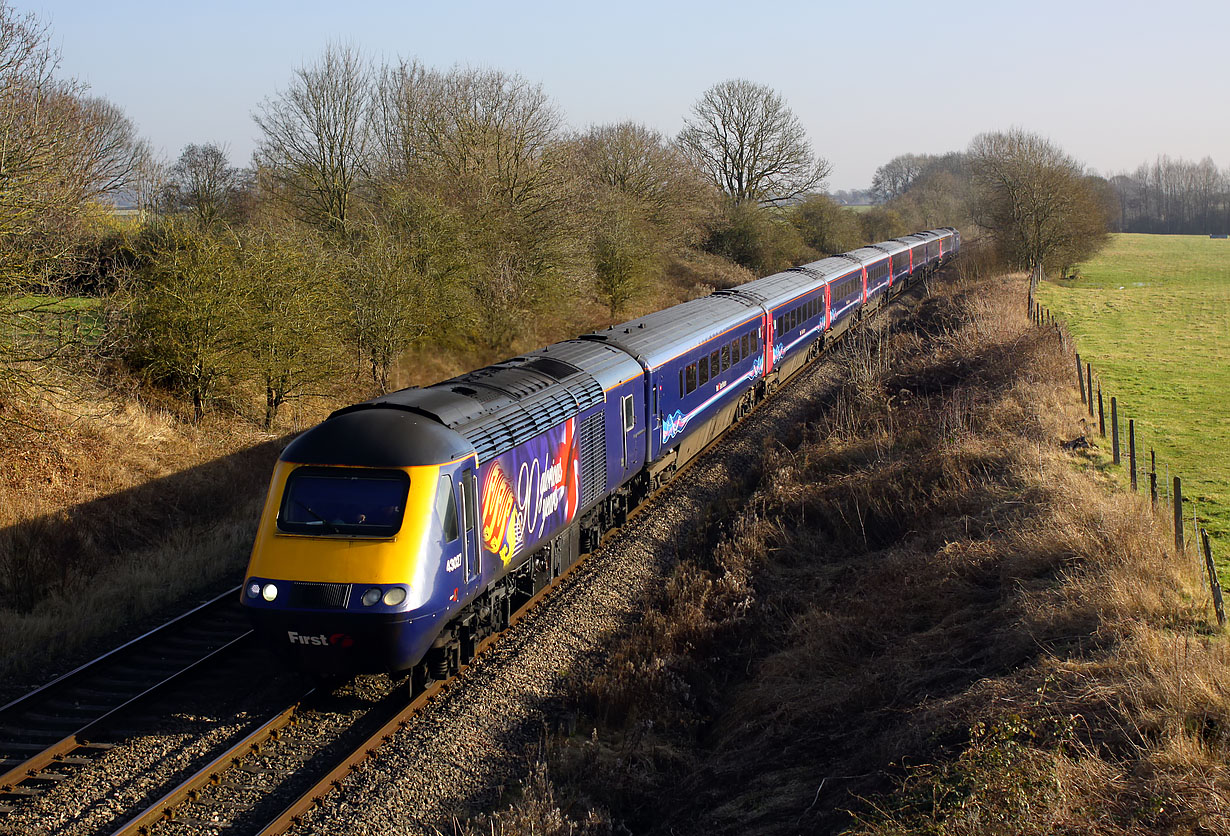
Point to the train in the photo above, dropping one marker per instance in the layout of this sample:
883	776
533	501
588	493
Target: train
400	532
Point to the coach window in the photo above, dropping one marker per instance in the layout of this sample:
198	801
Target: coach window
682	391
743	344
446	508
715	363
725	358
734	352
690	376
704	370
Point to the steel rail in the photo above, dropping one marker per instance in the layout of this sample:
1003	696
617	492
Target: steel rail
63	748
73	746
293	813
93	663
164	809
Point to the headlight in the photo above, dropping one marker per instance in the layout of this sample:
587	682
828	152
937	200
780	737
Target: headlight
371	596
394	596
254	589
269	592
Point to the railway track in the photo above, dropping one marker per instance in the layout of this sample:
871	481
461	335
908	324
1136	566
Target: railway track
234	792
48	733
264	783
231	792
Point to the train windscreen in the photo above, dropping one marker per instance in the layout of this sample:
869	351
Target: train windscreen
343	501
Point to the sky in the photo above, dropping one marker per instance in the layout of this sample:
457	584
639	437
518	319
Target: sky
1114	84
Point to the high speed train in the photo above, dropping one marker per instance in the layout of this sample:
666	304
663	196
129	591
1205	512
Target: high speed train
401	531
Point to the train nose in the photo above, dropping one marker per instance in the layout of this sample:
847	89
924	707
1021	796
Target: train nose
338	644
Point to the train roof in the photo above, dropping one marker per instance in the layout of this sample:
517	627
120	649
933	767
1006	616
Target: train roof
868	254
486	411
891	247
657	337
377	438
780	288
917	238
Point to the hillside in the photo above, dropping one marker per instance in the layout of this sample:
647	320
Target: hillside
927	618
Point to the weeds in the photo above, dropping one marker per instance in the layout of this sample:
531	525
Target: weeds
927	619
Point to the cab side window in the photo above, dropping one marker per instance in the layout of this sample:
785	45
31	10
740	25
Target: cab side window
446	508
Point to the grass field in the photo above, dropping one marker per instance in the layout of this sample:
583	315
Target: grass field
1152	314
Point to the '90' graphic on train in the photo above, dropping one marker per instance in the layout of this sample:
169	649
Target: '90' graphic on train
542	498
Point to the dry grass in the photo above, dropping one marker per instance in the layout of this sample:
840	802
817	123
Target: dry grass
112	511
928	619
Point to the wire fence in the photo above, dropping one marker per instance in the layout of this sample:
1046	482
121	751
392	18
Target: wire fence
1166	492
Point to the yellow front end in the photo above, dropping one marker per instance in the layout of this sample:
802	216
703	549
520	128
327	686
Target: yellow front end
340	558
341	602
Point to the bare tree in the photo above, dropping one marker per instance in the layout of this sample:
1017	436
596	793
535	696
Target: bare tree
1034	198
751	145
894	178
389	300
492	134
291	283
316	136
642	167
484	147
35	128
1174	196
109	158
398	102
203	182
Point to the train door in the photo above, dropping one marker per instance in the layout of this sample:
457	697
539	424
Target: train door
655	415
864	271
633	433
471	546
828	306
768	342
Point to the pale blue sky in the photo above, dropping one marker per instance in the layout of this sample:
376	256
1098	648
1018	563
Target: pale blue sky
1115	84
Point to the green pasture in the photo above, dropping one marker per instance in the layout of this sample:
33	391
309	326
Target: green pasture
43	318
1152	314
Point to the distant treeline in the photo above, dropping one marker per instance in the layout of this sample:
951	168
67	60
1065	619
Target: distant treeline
1174	196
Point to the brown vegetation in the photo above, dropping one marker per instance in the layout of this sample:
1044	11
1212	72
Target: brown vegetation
927	619
113	510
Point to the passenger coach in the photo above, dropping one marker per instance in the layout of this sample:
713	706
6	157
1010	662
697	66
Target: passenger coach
402	530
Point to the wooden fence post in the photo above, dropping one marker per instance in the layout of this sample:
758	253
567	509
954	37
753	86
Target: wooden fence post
1114	428
1214	584
1080	378
1132	450
1101	412
1153	479
1178	515
1089	385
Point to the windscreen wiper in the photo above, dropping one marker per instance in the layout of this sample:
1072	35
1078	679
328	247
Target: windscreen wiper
330	527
